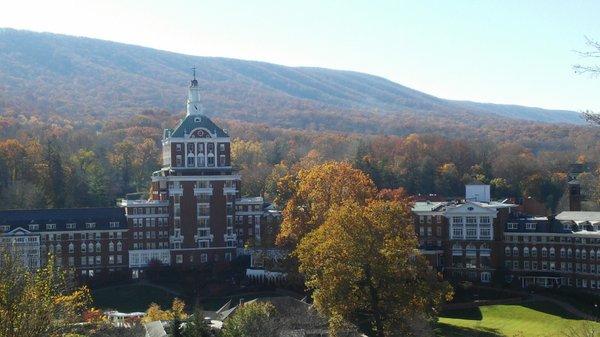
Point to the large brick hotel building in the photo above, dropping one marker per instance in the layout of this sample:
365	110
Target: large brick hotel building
194	214
481	240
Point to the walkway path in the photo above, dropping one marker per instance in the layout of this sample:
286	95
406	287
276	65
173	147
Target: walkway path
567	306
536	297
149	284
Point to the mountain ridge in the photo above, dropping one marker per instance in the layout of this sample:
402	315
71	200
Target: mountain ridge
42	73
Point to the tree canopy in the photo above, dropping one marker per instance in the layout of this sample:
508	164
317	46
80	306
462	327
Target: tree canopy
37	303
363	266
317	189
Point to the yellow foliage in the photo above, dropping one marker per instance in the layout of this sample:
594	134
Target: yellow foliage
178	309
314	191
156	313
364	258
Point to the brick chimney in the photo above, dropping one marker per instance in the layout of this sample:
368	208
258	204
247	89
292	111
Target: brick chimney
574	195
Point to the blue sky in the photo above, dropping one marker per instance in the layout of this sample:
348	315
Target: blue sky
517	52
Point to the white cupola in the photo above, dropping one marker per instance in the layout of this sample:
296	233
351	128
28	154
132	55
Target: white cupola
193	102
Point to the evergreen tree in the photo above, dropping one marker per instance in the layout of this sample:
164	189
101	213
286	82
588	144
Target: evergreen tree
196	326
175	328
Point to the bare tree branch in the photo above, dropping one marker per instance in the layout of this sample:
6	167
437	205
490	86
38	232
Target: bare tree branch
594	52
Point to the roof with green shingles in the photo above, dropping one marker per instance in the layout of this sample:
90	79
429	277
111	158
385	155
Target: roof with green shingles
191	122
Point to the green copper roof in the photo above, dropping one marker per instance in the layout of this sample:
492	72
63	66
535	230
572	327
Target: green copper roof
192	122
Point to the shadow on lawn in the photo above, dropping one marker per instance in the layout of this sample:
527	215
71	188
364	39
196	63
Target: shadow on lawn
550	308
448	330
471	313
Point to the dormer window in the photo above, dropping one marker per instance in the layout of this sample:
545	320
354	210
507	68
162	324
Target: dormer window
51	226
34	227
530	226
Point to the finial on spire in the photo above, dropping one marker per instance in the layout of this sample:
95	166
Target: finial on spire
194	82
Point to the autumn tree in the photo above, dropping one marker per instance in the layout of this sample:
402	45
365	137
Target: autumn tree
249	156
37	303
13	153
252	319
447	180
363	265
121	157
314	191
156	313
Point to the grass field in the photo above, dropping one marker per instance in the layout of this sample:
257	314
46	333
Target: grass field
527	319
132	297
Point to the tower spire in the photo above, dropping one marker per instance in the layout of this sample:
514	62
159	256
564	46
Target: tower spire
193	103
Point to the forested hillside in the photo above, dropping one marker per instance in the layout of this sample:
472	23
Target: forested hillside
81	122
80	77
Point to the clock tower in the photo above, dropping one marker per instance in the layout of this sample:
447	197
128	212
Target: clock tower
200	186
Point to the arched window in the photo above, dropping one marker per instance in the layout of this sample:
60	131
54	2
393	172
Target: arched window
544	252
583	254
98	247
58	248
83	248
50	249
71	248
552	251
119	246
569	253
111	247
525	252
592	255
507	251
515	251
577	254
534	252
90	247
563	253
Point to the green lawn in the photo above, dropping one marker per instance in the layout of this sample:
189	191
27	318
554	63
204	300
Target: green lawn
132	297
528	319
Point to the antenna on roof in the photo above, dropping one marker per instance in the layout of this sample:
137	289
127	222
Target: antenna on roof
194	71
